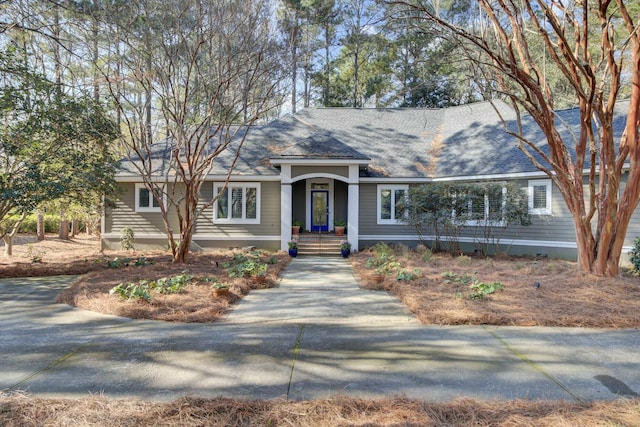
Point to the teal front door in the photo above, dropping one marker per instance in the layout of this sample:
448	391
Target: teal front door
319	210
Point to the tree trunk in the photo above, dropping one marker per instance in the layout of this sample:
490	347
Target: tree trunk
8	244
40	231
63	230
75	227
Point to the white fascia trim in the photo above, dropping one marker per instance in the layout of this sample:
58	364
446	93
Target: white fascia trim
241	178
233	178
209	237
508	242
319	162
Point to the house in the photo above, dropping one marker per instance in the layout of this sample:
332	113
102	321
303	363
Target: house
323	165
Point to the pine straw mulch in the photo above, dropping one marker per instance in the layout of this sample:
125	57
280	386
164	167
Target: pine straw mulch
82	255
52	256
25	411
195	304
565	297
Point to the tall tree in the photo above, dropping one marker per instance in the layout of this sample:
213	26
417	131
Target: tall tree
595	46
52	145
212	69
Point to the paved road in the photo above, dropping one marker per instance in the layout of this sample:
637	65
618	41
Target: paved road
315	335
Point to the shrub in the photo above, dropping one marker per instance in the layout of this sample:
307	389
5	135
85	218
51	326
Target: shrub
634	255
142	289
127	239
30	223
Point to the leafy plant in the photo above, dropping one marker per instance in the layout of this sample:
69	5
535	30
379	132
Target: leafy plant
404	275
118	262
383	261
247	268
131	291
142	289
126	262
634	255
477	290
127	238
35	255
172	285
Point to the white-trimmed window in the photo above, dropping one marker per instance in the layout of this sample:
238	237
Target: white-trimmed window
391	202
482	209
238	203
145	202
540	197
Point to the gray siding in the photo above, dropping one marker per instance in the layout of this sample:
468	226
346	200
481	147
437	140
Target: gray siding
269	215
335	170
340	201
124	214
368	215
299	202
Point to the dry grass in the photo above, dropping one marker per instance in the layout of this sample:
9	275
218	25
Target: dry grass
566	296
21	410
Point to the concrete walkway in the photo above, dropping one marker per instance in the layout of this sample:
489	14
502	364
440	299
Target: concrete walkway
315	335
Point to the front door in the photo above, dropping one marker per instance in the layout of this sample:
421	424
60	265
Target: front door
319	210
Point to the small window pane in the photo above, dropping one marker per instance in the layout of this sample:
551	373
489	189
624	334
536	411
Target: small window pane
236	203
385	201
156	203
399	204
477	207
143	198
223	204
252	203
539	197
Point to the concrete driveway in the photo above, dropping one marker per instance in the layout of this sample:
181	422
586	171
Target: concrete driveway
315	335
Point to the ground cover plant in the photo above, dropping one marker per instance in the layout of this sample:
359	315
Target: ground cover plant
445	289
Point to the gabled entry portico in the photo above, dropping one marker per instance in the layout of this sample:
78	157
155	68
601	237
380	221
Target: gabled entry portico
330	171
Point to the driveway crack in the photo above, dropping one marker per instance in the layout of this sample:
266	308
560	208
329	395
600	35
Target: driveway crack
535	366
296	351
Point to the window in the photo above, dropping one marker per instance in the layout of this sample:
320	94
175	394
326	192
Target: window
237	203
487	208
145	202
391	202
540	197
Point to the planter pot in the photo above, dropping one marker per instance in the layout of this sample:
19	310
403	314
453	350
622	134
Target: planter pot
339	230
293	252
345	253
219	292
295	230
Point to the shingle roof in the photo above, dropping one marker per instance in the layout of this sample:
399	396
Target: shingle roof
467	140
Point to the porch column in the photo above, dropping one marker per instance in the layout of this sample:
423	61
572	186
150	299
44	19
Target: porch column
285	215
353	215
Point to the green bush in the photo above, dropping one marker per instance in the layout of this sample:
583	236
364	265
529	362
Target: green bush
30	223
634	255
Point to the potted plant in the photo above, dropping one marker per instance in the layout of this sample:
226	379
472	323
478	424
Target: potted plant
219	289
338	227
345	248
293	248
296	227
